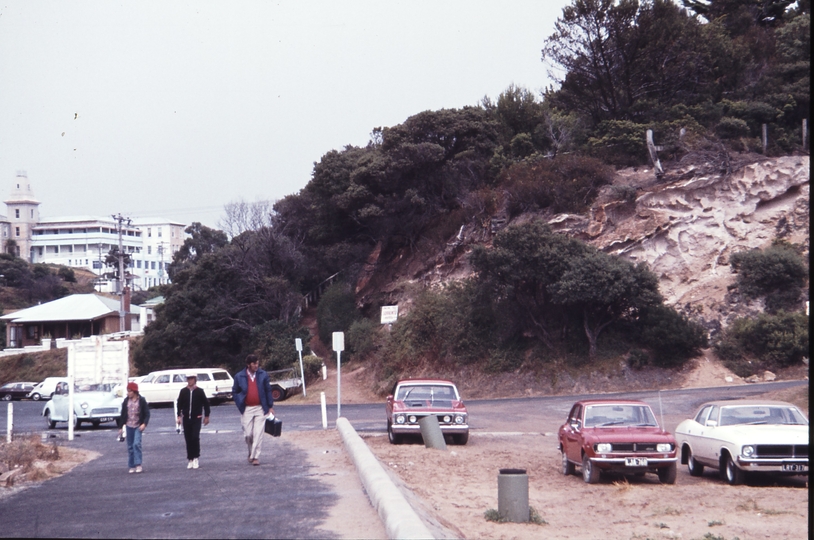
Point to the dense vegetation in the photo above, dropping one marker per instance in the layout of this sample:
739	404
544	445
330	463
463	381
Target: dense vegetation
703	75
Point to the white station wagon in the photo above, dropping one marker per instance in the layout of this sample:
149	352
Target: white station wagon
745	436
163	386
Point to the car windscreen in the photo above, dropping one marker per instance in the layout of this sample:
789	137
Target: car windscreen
762	414
619	415
220	376
425	393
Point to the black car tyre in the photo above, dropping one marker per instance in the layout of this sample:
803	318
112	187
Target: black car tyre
392	437
590	473
695	468
462	438
667	475
7	397
36	397
567	467
50	423
734	476
277	393
95	423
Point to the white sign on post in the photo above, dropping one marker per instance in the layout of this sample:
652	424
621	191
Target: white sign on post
298	346
339	346
390	314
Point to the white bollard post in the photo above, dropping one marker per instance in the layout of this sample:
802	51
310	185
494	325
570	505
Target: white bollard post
10	423
324	410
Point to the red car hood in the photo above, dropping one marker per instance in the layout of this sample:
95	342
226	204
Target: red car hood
627	434
423	407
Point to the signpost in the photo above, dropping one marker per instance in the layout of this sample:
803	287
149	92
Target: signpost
338	346
389	314
298	345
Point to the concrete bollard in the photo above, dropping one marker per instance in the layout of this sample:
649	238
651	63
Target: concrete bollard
431	432
513	495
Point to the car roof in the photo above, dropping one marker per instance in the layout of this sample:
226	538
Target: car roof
425	381
747	402
585	402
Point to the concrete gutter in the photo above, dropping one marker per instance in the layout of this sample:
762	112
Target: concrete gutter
399	518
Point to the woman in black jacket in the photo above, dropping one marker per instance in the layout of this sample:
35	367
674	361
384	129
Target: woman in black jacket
192	405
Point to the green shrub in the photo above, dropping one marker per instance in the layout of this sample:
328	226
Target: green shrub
774	340
274	343
732	128
362	337
336	311
778	273
312	366
671	336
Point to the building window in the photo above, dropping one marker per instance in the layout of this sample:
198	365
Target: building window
138	264
17	231
17	213
97	265
149	250
32	213
159	232
149	232
152	265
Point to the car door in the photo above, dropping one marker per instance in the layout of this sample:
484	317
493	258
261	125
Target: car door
572	436
59	402
706	449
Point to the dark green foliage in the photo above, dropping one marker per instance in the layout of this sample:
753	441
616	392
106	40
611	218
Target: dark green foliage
769	341
361	337
336	311
67	274
37	282
777	273
274	344
671	336
732	128
202	240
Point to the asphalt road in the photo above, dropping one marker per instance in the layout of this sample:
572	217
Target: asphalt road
227	498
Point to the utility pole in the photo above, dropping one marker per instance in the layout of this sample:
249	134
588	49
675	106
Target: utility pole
120	281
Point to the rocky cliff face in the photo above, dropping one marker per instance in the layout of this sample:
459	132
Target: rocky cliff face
685	225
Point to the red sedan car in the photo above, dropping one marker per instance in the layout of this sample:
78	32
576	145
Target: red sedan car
616	435
413	399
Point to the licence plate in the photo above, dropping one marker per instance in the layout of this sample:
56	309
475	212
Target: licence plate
106	419
794	467
636	462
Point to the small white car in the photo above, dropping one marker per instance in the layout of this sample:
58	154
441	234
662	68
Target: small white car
93	404
745	436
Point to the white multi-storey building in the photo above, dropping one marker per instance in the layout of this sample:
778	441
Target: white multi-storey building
85	241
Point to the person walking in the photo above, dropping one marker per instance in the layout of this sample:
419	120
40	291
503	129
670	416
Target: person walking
133	419
252	394
192	407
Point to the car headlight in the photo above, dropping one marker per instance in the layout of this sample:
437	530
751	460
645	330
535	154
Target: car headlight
460	419
412	419
748	450
399	418
664	447
603	448
84	405
446	419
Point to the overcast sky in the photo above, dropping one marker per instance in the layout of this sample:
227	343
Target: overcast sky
174	109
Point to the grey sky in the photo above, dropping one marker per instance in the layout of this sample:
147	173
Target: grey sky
174	109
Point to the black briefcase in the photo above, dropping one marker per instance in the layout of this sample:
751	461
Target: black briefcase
274	426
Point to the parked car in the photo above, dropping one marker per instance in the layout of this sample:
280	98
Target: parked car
616	435
15	390
45	389
745	436
163	386
414	399
92	403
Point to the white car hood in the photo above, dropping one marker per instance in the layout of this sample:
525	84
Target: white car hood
764	434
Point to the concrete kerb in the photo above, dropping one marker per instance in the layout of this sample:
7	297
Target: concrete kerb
399	518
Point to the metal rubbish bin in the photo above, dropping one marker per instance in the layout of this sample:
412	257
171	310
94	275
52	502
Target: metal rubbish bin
513	495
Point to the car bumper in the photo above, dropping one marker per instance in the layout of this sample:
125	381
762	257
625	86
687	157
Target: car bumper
619	463
406	429
793	466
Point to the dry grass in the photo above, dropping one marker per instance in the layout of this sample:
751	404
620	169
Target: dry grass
23	452
34	366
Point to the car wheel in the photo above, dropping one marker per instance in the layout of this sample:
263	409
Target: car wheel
76	423
567	467
36	397
277	393
95	423
50	423
695	468
733	474
590	473
667	475
462	438
392	437
7	397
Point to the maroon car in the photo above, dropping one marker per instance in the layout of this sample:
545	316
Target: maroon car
413	399
616	435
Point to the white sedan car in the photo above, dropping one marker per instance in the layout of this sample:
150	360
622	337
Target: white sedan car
745	436
93	404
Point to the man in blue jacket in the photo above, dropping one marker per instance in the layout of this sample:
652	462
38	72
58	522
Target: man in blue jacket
252	394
